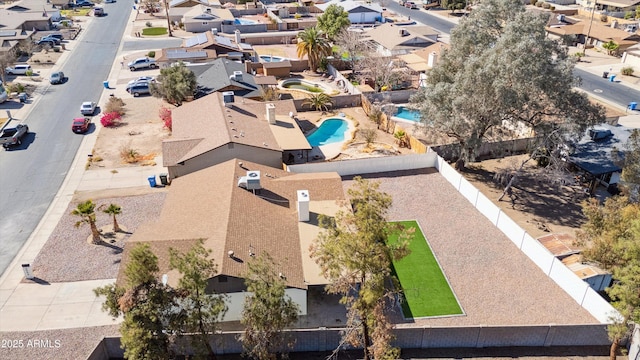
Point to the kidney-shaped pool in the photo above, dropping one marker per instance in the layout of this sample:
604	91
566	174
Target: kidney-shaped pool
331	130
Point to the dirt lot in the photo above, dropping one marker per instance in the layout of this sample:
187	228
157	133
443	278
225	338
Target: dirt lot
538	206
140	130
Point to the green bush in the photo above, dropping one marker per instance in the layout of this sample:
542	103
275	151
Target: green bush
15	88
552	8
151	54
56	49
629	15
628	71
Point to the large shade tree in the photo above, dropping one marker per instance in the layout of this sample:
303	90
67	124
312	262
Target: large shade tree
175	84
313	43
333	21
500	73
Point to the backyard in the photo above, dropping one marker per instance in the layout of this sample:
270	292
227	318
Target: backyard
425	288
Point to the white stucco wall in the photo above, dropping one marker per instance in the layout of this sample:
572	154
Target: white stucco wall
364	17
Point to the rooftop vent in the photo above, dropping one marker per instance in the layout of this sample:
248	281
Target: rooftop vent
237	76
303	205
214	31
208	10
402	32
227	98
271	114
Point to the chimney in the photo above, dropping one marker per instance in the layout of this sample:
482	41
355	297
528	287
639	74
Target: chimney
237	34
247	66
214	31
433	57
271	114
227	98
303	205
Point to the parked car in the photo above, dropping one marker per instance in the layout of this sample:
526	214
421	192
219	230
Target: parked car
139	89
56	77
141	79
55	40
142	63
88	108
58	35
20	69
49	42
98	11
410	5
80	125
80	3
109	1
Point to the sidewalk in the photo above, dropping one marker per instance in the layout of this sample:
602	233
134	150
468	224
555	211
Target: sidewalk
32	306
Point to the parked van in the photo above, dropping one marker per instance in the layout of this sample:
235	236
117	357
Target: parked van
20	69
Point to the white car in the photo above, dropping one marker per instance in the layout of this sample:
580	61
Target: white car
88	108
20	69
141	79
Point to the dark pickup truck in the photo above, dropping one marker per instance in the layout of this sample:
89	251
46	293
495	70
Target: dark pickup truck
13	135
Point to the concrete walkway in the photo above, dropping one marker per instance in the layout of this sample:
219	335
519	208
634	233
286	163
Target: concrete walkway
35	305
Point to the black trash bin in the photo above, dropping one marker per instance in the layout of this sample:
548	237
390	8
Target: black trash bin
605	75
164	179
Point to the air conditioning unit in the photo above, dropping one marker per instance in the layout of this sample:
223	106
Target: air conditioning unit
253	180
227	98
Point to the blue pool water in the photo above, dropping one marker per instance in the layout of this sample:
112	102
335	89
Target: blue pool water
269	58
408	114
330	131
244	22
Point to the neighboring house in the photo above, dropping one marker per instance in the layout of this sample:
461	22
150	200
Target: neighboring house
10	39
611	7
202	18
593	154
25	20
214	129
597	278
226	75
424	59
223	46
191	3
359	12
597	35
44	8
275	212
166	57
631	56
391	40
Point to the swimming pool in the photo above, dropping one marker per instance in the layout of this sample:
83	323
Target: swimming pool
304	86
408	114
270	58
244	22
330	131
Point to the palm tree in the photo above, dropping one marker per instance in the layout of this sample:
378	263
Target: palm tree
320	102
314	44
114	210
87	214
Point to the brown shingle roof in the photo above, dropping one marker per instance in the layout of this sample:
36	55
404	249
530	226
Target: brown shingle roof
209	205
213	125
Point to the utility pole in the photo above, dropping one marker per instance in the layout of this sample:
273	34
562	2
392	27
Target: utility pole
586	40
166	12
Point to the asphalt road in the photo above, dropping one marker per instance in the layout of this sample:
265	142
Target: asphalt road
593	84
31	174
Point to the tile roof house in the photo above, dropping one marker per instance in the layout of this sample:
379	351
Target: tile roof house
223	46
390	40
237	224
167	56
209	131
201	18
191	3
598	34
38	7
26	20
226	75
424	59
359	12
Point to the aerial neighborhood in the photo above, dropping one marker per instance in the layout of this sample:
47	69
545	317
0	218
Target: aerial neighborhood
319	179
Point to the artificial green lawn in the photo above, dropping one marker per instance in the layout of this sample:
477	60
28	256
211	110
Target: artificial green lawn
154	31
426	290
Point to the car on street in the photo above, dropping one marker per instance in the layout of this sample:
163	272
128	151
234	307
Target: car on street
142	63
57	77
138	89
19	69
109	1
410	5
88	108
80	3
98	11
80	125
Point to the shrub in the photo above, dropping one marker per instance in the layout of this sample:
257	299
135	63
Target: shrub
629	15
604	18
56	49
546	6
165	116
116	105
110	119
369	136
297	16
552	8
15	87
627	71
129	154
29	73
539	3
532	2
149	24
151	54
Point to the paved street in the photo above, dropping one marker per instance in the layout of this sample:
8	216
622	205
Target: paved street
31	175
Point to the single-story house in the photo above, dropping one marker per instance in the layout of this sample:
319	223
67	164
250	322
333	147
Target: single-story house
219	127
191	3
424	59
593	154
201	18
242	209
224	75
10	39
39	7
598	34
234	48
631	56
25	20
166	57
392	40
359	12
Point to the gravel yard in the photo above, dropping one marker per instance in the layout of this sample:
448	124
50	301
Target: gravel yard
67	256
494	282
